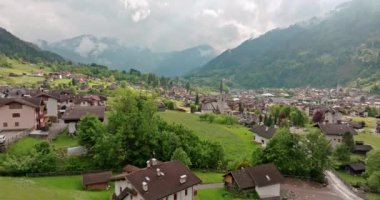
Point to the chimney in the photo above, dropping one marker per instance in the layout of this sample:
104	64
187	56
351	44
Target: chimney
148	163
158	170
182	179
154	161
145	186
266	128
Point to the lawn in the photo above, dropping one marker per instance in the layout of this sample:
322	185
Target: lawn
63	141
348	178
47	188
369	138
236	140
57	82
369	121
23	146
213	194
210	177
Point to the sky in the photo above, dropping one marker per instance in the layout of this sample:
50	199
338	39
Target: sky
161	25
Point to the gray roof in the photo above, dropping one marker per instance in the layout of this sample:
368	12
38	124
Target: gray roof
336	129
75	113
264	131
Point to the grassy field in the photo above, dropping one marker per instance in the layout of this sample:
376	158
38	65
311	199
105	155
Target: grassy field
47	188
368	138
348	178
20	68
369	121
209	177
236	140
57	82
213	194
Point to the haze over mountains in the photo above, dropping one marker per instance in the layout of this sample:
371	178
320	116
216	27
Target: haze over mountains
111	52
340	48
336	49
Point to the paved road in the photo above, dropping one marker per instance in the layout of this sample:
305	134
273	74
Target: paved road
337	185
209	186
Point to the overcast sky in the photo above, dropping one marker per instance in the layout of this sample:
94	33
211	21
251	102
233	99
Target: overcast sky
161	25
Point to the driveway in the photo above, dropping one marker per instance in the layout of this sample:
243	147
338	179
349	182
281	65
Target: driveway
340	188
295	189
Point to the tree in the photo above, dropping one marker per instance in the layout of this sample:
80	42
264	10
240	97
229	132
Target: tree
285	152
257	156
197	99
241	108
318	150
107	152
372	162
348	140
188	87
317	116
89	130
342	153
193	108
374	181
180	154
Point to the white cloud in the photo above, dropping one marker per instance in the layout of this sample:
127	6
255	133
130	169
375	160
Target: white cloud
211	12
161	25
139	9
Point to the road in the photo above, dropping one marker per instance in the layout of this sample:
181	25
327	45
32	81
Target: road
337	185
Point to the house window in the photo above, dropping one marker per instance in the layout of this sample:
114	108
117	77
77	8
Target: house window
5	124
15	106
16	115
186	192
262	141
17	124
338	140
175	196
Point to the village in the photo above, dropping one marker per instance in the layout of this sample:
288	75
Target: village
342	116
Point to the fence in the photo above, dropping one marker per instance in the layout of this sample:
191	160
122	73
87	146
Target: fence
64	173
13	138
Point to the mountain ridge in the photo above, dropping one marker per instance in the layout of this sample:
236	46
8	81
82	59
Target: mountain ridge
13	46
112	52
321	52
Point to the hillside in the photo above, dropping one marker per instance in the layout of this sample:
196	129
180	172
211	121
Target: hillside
116	55
12	46
322	52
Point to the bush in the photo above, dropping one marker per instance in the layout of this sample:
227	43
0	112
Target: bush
374	181
170	104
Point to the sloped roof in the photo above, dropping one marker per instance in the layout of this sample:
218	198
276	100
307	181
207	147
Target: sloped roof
242	179
336	129
263	131
32	102
266	174
358	166
75	113
94	178
164	185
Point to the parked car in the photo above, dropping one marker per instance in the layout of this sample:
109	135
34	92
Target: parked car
2	139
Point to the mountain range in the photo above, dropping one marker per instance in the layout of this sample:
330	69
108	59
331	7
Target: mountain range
113	53
14	47
338	48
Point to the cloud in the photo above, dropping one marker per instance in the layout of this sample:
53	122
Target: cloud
139	8
161	25
211	12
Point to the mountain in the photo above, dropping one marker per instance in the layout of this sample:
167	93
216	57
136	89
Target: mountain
113	53
12	46
336	49
179	63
